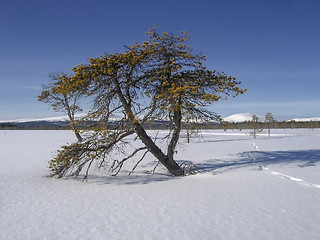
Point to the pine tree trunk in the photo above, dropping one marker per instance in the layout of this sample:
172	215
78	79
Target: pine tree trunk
175	135
167	161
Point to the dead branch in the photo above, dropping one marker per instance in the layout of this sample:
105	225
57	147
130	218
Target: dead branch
87	171
154	169
135	166
119	165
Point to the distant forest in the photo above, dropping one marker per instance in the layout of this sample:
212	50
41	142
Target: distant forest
158	125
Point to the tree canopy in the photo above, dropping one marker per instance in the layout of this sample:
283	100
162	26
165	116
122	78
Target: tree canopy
159	79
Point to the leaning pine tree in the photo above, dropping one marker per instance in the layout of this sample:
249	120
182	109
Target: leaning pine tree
159	79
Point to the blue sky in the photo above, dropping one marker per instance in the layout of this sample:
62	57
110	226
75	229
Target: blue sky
272	46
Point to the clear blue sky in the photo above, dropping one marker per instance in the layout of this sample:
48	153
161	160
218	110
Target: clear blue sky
272	46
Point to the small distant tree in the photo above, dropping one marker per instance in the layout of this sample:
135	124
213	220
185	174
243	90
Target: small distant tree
61	100
225	125
192	129
312	124
160	79
255	125
269	119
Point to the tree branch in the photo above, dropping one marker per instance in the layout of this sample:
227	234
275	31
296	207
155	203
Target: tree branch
120	163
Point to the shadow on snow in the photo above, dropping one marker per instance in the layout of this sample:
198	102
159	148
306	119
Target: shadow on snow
138	177
303	158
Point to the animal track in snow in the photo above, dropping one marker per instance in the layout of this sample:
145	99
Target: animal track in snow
294	179
291	178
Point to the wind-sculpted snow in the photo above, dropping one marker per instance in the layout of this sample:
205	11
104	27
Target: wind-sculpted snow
245	188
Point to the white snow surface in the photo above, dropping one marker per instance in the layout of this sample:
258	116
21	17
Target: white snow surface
264	188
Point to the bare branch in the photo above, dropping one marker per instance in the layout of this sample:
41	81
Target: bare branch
120	163
87	171
135	166
154	169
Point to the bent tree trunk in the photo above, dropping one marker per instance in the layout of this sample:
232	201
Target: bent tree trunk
166	160
177	118
72	120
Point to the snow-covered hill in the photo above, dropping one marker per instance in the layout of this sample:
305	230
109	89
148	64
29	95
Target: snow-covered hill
306	119
48	119
242	117
239	117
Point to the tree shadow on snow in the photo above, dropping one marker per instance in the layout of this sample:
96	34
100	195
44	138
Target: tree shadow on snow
225	140
123	178
303	158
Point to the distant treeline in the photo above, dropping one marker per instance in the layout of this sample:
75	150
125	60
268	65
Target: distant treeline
34	126
271	125
163	125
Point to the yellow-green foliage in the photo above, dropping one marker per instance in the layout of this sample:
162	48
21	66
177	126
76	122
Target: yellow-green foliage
65	158
163	69
167	68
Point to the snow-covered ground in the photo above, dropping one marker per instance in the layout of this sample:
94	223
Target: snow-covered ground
264	188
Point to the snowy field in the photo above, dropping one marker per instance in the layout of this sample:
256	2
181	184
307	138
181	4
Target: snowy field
264	188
